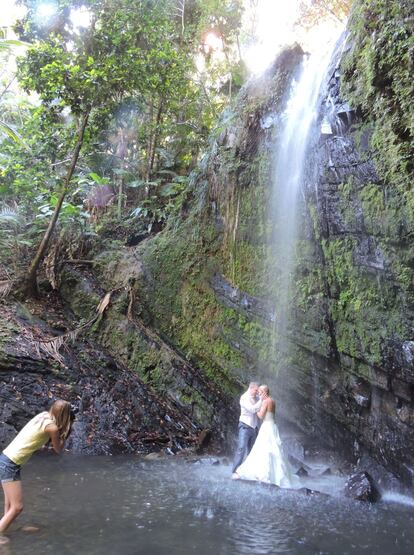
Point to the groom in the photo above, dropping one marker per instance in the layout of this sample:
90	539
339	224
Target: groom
249	405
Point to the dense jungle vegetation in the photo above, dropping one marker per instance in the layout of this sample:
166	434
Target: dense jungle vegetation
105	115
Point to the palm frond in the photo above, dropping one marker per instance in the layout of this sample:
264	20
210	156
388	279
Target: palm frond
53	345
13	134
10	214
5	287
8	44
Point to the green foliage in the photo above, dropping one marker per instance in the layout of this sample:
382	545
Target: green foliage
312	12
13	239
118	54
164	203
134	69
7	49
26	177
180	301
378	81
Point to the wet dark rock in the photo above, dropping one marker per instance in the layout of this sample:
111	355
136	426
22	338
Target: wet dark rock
232	297
302	472
385	480
362	400
210	461
134	240
299	463
361	487
203	440
398	359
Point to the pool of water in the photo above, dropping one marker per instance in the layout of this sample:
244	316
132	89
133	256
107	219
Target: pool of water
123	505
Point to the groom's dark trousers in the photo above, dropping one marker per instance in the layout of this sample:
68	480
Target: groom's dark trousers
247	436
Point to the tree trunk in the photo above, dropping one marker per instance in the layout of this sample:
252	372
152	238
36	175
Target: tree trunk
149	146
155	136
120	197
30	280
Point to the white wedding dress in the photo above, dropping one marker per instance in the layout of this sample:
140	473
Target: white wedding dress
266	461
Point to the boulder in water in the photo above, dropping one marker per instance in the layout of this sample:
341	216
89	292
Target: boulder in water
308	491
210	460
361	486
207	460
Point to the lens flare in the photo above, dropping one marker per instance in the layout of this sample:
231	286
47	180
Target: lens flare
45	11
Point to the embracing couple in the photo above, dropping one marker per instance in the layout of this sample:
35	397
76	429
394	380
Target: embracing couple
259	455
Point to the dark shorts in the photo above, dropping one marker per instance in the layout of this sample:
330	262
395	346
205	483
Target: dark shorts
9	471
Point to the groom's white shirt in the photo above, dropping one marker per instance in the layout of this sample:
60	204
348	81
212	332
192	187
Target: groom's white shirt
248	410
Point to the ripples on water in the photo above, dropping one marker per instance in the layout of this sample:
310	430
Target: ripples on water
121	505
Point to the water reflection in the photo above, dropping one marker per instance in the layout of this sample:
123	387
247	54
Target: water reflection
120	505
255	534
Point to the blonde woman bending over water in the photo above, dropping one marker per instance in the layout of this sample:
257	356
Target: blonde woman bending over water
53	425
267	462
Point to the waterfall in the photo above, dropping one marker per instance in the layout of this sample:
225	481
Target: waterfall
298	129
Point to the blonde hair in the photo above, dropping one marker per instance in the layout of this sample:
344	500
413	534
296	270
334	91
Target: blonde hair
60	411
265	388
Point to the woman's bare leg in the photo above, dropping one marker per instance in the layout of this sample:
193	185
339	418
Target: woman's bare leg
13	492
6	503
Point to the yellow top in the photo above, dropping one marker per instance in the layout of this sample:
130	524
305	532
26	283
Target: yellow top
30	438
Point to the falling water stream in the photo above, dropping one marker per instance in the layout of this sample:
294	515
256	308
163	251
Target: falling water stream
299	123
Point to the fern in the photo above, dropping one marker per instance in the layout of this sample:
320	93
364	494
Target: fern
12	238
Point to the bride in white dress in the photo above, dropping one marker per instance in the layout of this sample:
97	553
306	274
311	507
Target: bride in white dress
267	461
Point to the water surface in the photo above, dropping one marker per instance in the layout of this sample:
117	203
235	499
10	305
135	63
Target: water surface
122	505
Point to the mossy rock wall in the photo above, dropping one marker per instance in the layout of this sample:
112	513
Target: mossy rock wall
218	249
203	285
359	212
141	349
349	377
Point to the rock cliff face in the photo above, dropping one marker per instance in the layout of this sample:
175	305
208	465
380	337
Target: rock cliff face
191	316
205	283
117	412
363	221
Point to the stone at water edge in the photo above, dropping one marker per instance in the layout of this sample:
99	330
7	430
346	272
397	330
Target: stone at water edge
207	460
29	528
302	472
308	491
361	486
210	460
154	456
